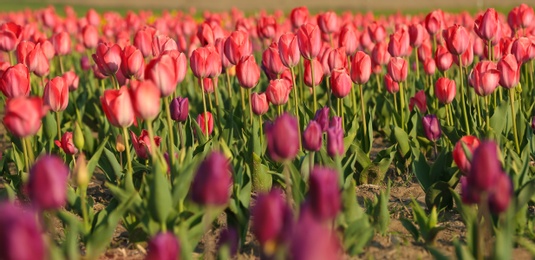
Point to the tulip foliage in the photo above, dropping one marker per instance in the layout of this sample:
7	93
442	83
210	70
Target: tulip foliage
265	125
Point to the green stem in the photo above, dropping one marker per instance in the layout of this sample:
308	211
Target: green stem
60	59
171	141
205	110
402	106
58	124
181	135
363	108
261	129
461	92
313	87
242	92
448	114
296	101
354	99
31	156
11	59
85	215
417	65
279	110
487	114
129	182
25	152
229	85
250	106
311	165
153	147
288	184
512	98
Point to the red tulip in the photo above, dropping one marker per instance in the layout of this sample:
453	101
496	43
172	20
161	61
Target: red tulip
142	144
47	48
23	115
271	59
443	58
523	49
340	83
10	34
289	50
212	183
259	103
117	106
220	48
377	32
349	39
247	72
467	58
361	68
318	72
92	17
56	94
299	16
237	46
457	39
283	138
434	22
145	99
163	246
328	22
108	58
278	91
23	49
425	51
67	144
272	220
62	43
337	59
143	40
71	80
487	25
416	35
90	36
430	66
390	85
205	34
309	40
459	156
380	54
201	118
419	100
324	193
397	69
445	90
47	183
162	43
205	62
37	61
399	44
163	71
484	78
15	81
525	16
509	71
266	27
365	41
132	62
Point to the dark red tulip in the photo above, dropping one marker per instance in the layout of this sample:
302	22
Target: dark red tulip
397	69
15	81
23	115
259	103
312	136
324	193
212	183
457	39
67	144
247	72
361	68
468	194
201	118
108	58
509	70
132	62
142	144
163	246
56	94
340	83
431	127
47	183
335	122
445	90
443	58
486	167
20	230
459	156
419	100
179	109
309	40
484	78
313	240
283	138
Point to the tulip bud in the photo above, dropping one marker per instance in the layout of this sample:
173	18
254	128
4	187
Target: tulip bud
509	71
430	66
15	81
299	16
145	99
318	72
322	118
247	72
66	144
289	50
56	94
229	237
142	144
312	136
397	69
443	58
485	167
271	59
201	118
163	246
340	83
47	184
80	172
213	180
459	155
434	22
399	44
179	109
445	90
486	25
484	77
119	144
390	85
324	193
457	39
377	32
19	231
237	46
335	141
11	34
282	138
108	58
278	91
259	103
431	127
309	40
361	68
117	106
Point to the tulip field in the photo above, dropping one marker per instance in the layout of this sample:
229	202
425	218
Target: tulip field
271	135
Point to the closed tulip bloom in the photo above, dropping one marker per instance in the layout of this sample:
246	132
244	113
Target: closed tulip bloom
434	22
10	36
247	72
271	59
399	44
312	239
67	144
23	49
47	183
208	85
62	43
179	109
15	81
337	59
205	62
509	71
322	118
90	36
445	90
47	48
377	32
324	193
145	99
278	91
486	167
162	43
486	25
349	39
289	50
309	40
328	22
108	58
56	94
220	48
23	115
212	183
201	118
397	69
419	100
335	122
425	51
318	72
299	16
20	230
443	58
430	66
272	220
361	68
500	196
312	136
526	16
431	127
181	64
523	49
390	85
163	246
365	41
467	58
143	40
117	106
513	18
283	138
335	141
459	156
142	144
259	103
163	73
380	54
468	194
340	83
416	35
237	46
71	80
457	39
132	62
484	78
37	61
266	27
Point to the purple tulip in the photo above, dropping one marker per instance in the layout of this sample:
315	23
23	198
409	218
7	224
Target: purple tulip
212	182
283	138
500	197
468	196
335	141
322	117
486	167
324	193
272	220
20	234
431	127
312	136
179	109
47	184
336	122
231	238
163	246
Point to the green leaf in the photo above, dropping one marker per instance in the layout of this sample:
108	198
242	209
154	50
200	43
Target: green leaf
110	166
159	202
93	161
403	140
409	226
262	180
